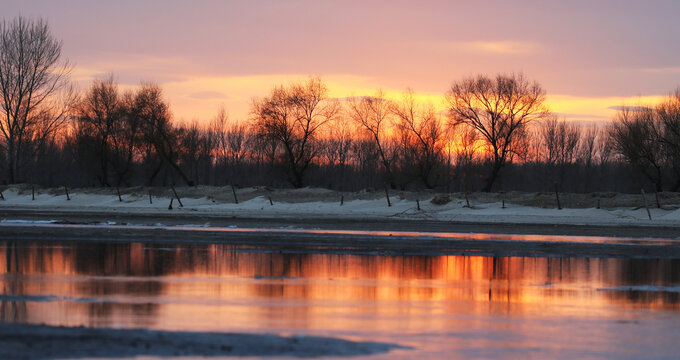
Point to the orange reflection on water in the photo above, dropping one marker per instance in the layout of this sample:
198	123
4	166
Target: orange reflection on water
213	286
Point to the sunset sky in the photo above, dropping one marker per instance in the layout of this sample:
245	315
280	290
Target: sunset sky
588	55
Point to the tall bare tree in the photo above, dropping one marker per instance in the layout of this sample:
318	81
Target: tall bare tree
31	77
669	115
373	114
232	142
158	134
499	109
195	151
424	137
587	154
231	138
337	145
465	149
100	115
560	141
635	134
293	116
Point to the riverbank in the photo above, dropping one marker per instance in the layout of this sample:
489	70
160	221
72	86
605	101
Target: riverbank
321	205
304	219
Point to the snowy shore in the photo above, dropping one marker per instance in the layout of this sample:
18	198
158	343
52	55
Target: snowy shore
314	203
363	222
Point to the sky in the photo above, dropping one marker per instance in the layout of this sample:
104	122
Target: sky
589	56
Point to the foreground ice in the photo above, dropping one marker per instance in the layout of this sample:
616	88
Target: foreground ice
57	342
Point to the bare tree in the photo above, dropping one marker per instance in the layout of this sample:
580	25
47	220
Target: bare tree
196	147
238	139
337	145
127	140
373	115
499	109
535	152
560	140
635	134
423	137
158	134
466	149
366	161
292	116
100	116
669	116
586	153
31	76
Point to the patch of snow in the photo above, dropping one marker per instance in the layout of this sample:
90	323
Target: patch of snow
16	221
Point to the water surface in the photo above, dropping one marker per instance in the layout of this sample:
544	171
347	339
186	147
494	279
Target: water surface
442	306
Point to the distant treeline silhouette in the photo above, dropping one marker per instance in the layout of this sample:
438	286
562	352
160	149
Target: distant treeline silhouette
496	134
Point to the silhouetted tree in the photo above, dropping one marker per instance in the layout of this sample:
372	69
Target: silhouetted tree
423	138
31	79
293	116
499	109
127	140
337	144
669	116
560	141
635	134
466	150
232	139
196	146
100	116
587	153
373	114
158	135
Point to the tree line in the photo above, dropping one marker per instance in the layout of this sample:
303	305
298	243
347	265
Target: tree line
495	134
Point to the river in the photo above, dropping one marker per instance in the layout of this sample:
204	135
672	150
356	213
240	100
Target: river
440	306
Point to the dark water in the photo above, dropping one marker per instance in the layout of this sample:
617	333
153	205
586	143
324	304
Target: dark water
442	306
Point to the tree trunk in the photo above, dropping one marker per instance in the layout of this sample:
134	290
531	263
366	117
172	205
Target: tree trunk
11	162
181	173
155	173
493	176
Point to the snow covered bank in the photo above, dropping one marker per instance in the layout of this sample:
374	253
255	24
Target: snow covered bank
510	208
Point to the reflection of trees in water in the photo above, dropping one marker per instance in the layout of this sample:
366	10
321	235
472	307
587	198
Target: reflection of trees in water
95	260
645	299
12	311
124	260
647	272
498	280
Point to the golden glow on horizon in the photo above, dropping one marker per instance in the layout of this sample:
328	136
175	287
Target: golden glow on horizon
198	98
594	108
